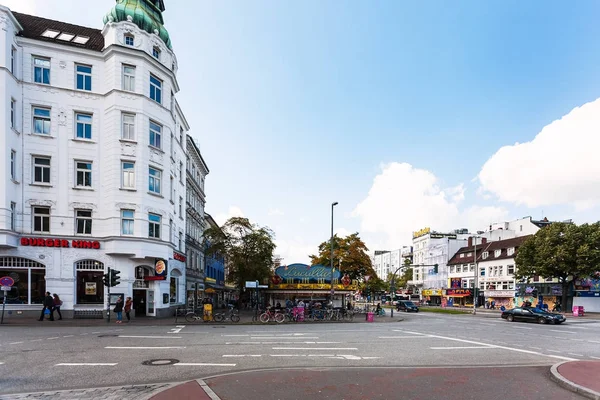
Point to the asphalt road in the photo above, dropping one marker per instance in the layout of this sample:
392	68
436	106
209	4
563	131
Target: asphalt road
53	357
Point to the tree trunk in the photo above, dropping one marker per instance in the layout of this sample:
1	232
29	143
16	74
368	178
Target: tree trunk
565	288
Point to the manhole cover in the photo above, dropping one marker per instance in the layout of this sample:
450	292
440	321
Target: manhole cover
161	362
108	335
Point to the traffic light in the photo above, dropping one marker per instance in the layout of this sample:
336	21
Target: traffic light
106	279
435	268
114	277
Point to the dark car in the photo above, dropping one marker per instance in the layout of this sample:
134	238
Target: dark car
407	306
530	314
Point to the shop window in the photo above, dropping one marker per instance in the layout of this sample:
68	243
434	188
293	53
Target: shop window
29	277
90	289
174	287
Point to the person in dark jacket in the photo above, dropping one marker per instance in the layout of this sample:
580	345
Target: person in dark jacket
119	310
57	304
48	305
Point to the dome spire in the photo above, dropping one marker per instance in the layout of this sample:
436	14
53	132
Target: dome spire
146	14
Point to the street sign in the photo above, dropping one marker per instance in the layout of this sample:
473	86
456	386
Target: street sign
7	281
263	286
6	288
251	284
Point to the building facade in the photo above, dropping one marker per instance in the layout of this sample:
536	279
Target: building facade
93	144
215	271
196	172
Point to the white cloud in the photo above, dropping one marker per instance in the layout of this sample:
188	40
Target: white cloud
404	199
342	232
234	211
275	211
295	250
556	168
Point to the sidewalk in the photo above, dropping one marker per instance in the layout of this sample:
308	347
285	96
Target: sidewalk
582	377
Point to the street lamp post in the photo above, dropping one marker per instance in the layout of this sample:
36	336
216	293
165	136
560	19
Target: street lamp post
331	245
475	276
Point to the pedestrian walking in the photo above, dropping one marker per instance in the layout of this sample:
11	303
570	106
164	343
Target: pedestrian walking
48	305
119	310
57	302
127	309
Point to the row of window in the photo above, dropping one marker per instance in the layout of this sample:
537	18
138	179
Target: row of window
84	222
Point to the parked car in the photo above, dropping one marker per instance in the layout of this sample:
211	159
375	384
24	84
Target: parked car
530	314
406	306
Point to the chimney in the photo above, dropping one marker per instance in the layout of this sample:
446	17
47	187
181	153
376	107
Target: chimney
483	240
470	241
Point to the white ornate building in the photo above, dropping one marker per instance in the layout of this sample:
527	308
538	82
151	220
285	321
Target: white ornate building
93	147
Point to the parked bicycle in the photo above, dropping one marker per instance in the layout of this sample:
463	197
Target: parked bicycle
231	315
272	315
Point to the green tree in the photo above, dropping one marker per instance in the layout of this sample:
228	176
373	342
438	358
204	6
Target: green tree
349	255
247	248
561	250
402	281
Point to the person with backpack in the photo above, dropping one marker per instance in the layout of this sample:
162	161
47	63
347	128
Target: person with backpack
48	305
56	303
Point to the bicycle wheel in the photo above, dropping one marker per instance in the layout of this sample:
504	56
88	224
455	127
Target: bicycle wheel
279	318
235	318
191	317
264	318
218	317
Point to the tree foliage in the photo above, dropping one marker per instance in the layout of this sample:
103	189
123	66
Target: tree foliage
402	282
560	250
349	255
247	248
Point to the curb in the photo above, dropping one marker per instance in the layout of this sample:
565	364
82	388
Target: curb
572	386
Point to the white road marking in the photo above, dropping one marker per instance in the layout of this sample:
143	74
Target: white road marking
537	348
36	340
144	347
337	356
95	332
16	343
314	348
235	335
483	323
86	364
499	347
412	333
52	338
1	362
205	364
68	335
150	337
597	358
576	340
255	343
208	390
521	327
461	348
242	355
402	337
177	329
83	334
554	351
593	341
573	354
556	330
281	338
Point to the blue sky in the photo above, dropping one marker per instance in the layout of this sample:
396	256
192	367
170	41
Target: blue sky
397	110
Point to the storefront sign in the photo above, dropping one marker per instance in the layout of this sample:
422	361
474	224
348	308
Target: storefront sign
313	286
302	273
458	292
432	292
155	278
422	232
160	267
195	274
90	288
499	293
78	244
178	257
587	284
443	235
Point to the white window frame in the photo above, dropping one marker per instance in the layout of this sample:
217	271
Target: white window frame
156	88
510	269
462	255
35	212
86	174
128	126
485	255
13	216
13	165
13	60
154	226
510	251
86	124
42	67
155	135
81	215
154	180
44	169
497	253
46	120
180	207
86	77
127	222
13	113
127	174
129	37
128	78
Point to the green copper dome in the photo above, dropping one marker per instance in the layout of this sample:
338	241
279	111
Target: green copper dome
146	14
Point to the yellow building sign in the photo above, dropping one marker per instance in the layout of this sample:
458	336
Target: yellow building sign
432	292
422	232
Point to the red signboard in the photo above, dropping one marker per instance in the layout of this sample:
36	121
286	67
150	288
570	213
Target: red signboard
78	244
179	257
155	278
458	292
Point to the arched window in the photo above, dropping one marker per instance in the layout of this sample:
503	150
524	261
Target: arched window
174	286
29	280
140	272
90	288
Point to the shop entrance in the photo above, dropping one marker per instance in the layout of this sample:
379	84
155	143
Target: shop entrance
139	302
